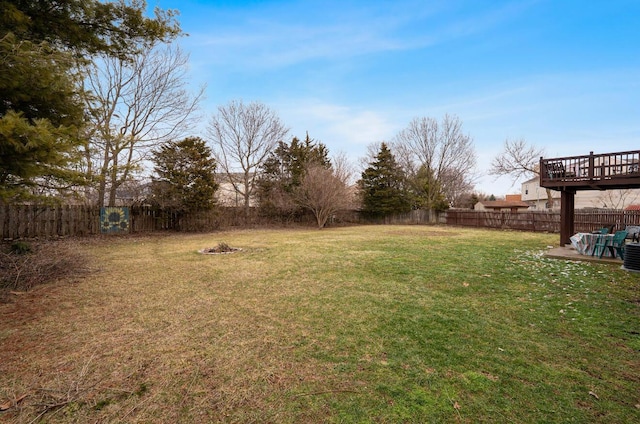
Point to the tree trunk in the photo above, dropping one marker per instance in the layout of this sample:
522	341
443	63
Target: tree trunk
246	207
549	198
102	188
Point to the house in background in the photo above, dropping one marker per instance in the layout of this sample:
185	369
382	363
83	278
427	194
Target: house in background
512	203
536	197
133	192
226	195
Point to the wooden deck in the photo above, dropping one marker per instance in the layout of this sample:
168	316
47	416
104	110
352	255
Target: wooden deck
591	172
619	170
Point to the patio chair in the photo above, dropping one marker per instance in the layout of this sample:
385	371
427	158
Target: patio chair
603	230
633	233
601	244
615	245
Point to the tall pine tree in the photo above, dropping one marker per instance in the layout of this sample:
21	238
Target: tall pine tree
283	172
42	45
40	119
185	176
383	186
426	191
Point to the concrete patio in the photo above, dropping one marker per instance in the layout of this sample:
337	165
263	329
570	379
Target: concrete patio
568	252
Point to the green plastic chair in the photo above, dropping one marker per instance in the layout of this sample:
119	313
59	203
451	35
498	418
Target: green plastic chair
601	244
603	230
617	245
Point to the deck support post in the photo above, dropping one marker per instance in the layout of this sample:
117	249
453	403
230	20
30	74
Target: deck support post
567	206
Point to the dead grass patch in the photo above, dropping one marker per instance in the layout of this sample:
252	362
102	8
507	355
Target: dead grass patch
41	262
338	325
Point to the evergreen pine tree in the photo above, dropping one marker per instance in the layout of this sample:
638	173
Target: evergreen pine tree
284	170
42	44
185	176
426	191
40	117
383	186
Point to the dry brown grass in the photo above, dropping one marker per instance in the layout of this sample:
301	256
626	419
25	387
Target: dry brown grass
162	333
25	265
341	325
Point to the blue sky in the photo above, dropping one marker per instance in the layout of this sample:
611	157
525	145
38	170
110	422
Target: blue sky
562	74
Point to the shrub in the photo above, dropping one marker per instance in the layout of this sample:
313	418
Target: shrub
24	265
20	247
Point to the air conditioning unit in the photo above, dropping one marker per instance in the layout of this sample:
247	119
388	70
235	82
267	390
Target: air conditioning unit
632	257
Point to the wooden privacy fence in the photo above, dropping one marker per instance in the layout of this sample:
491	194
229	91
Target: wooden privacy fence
31	221
601	218
541	221
416	216
529	221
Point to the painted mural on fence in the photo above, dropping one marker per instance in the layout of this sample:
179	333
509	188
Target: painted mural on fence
114	220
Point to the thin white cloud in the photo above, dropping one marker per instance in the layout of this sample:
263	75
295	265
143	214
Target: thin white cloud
293	37
339	127
334	57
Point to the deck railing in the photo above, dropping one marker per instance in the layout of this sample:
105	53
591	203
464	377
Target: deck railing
594	171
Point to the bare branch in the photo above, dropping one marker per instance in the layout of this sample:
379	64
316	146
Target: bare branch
615	199
443	150
243	135
343	168
323	192
135	105
517	160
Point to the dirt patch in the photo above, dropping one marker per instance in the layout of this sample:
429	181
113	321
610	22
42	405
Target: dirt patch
220	249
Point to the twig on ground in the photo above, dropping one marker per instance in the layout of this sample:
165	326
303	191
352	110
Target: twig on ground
13	403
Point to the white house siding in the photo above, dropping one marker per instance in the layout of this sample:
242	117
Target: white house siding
536	196
226	195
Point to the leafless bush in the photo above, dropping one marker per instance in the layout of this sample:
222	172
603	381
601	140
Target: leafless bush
222	247
79	393
45	262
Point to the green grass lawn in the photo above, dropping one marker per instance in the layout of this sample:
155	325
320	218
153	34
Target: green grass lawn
380	324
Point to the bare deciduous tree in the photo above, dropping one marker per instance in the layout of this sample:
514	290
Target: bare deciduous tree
443	150
243	135
372	151
519	160
616	199
324	191
343	168
455	185
135	105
